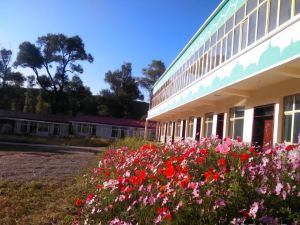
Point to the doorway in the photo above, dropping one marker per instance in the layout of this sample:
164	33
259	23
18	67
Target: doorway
198	128
263	126
220	125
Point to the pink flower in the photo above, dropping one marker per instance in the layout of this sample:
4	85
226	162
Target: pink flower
228	141
278	188
253	210
223	149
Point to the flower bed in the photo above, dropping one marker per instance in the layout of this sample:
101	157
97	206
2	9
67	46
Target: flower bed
195	183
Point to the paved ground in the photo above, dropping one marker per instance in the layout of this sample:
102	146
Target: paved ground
26	162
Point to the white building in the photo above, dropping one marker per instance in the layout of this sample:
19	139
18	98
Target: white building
239	75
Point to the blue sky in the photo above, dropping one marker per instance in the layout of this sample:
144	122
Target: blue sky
114	31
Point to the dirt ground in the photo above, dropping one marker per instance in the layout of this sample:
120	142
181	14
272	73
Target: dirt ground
27	163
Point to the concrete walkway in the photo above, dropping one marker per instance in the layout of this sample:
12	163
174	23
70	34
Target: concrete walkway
65	147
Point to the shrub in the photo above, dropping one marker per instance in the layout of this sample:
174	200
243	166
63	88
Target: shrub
207	182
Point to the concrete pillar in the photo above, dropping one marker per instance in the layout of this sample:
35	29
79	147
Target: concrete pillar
248	125
194	128
276	123
225	125
214	126
202	127
146	130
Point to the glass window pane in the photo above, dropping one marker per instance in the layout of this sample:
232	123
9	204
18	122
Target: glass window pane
223	50
238	128
262	14
285	11
273	15
287	128
213	39
239	112
236	40
208	129
296	128
288	103
252	28
244	34
213	57
208	61
251	4
297	6
297	102
207	45
229	45
221	32
229	24
239	16
218	54
231	129
204	64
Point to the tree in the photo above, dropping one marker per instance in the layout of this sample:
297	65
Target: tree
53	59
7	76
28	104
123	88
41	105
151	74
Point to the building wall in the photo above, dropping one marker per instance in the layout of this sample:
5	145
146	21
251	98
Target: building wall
275	48
273	94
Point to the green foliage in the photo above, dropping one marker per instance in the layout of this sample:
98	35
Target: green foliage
151	74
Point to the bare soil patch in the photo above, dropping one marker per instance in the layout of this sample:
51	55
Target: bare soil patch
27	163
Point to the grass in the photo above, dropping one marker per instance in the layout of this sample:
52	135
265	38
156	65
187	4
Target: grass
66	141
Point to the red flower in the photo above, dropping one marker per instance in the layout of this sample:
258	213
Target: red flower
234	155
244	157
207	175
251	149
168	216
78	202
289	147
184	182
90	197
204	151
216	176
222	162
200	160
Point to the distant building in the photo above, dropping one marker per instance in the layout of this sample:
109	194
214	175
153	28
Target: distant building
81	126
239	76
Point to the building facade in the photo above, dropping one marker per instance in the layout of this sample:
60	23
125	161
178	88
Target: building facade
79	126
239	76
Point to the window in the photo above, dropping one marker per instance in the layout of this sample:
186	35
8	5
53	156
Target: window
218	54
236	122
208	124
229	45
261	24
24	125
252	28
291	130
273	14
43	127
285	11
223	53
251	4
190	127
244	34
229	24
221	32
236	40
297	7
115	132
240	14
